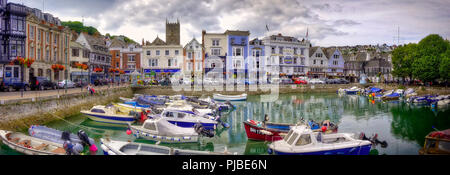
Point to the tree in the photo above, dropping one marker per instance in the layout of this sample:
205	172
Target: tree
78	27
444	68
402	59
426	68
430	50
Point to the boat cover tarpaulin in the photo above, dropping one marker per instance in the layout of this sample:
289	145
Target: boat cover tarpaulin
445	134
375	90
393	95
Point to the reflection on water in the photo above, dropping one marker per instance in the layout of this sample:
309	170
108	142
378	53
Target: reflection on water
401	125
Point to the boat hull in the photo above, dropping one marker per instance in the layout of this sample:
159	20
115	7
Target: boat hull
262	134
164	139
219	97
110	119
25	150
363	150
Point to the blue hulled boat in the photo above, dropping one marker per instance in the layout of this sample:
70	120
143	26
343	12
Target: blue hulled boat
303	141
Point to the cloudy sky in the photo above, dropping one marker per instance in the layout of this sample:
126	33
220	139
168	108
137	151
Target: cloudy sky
330	23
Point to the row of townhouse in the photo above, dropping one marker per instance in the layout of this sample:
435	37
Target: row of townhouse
29	33
231	54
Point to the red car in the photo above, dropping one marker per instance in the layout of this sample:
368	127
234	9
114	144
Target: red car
299	81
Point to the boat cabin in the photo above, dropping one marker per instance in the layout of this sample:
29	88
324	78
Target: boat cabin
303	136
437	143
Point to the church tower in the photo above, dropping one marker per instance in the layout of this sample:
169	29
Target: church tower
173	32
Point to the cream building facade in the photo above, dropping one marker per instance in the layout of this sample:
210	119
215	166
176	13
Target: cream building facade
48	42
160	59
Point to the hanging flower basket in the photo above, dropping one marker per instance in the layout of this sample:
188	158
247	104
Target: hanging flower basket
58	67
98	69
26	62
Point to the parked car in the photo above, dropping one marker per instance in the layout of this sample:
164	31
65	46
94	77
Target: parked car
343	81
11	84
299	81
316	81
286	81
62	84
42	83
81	83
331	81
274	81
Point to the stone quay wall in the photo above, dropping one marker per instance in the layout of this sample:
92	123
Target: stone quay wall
21	115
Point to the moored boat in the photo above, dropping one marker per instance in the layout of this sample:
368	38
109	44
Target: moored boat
108	114
29	145
302	141
276	131
111	147
220	97
187	119
53	135
161	130
437	142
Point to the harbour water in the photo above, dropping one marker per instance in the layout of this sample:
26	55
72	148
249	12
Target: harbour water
401	125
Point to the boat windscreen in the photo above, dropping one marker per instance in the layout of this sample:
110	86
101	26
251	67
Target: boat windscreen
287	136
303	140
291	140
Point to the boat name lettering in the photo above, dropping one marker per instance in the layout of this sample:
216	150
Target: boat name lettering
257	131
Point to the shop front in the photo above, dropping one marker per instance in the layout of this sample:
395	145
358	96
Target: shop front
159	73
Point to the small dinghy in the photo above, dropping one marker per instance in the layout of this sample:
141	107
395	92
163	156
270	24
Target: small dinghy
30	145
109	114
303	141
53	135
390	97
161	130
352	91
151	100
111	147
220	97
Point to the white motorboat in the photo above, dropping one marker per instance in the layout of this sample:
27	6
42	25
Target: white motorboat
220	97
109	114
159	129
29	145
187	119
303	141
111	147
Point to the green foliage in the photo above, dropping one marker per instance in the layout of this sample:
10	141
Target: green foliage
78	27
426	69
427	61
402	59
444	68
401	87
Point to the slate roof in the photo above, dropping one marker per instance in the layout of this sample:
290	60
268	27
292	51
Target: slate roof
117	43
312	50
158	42
97	44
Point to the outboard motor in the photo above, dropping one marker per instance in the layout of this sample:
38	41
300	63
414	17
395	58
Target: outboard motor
72	149
86	142
226	125
202	131
65	136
